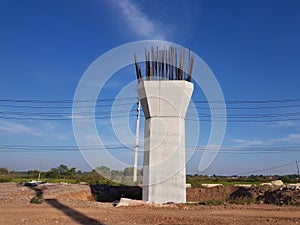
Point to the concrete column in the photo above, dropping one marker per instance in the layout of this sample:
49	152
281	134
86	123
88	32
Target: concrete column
164	104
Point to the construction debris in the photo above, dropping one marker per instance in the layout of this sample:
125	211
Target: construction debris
275	183
188	186
211	185
293	186
132	202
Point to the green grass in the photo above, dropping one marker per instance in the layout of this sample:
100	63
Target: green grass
50	180
5	179
56	180
245	201
126	181
292	202
36	200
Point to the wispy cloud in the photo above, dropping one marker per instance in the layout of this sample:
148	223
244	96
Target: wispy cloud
11	127
139	22
78	117
289	139
246	143
284	124
292	138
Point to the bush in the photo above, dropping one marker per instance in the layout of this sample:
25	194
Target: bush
36	200
5	179
3	171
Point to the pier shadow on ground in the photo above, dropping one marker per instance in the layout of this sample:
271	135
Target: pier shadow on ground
75	215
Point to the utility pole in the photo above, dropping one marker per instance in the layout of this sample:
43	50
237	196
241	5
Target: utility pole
136	143
297	169
39	177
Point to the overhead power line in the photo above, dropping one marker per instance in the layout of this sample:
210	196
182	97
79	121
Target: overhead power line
61	101
263	111
251	101
267	169
131	146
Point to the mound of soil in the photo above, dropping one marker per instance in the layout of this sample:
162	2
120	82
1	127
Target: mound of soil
78	195
281	197
208	194
267	195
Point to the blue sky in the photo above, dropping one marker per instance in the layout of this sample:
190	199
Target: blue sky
252	47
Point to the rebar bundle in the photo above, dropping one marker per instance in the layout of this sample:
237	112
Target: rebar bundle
166	64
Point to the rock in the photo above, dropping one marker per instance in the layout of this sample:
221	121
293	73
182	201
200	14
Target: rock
124	202
131	202
266	184
211	185
188	186
278	183
293	186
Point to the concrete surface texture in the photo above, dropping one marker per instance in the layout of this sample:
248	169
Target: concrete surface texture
164	104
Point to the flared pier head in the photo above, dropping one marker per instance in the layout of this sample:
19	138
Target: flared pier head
165	104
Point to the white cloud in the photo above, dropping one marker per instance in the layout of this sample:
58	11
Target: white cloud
11	127
289	139
62	137
139	22
78	117
292	138
283	124
246	143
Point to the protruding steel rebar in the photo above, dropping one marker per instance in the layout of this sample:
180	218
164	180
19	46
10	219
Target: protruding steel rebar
138	70
166	64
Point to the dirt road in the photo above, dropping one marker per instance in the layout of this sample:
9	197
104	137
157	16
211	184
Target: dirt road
69	205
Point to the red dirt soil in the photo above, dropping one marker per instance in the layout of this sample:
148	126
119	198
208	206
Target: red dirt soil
70	204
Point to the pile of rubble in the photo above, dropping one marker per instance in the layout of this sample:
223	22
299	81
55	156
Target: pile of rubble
274	192
279	183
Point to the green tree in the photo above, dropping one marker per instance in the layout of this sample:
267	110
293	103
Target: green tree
93	178
103	170
72	171
33	173
116	174
3	171
62	171
52	173
128	171
140	172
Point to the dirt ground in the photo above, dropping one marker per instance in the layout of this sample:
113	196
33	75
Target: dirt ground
71	204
